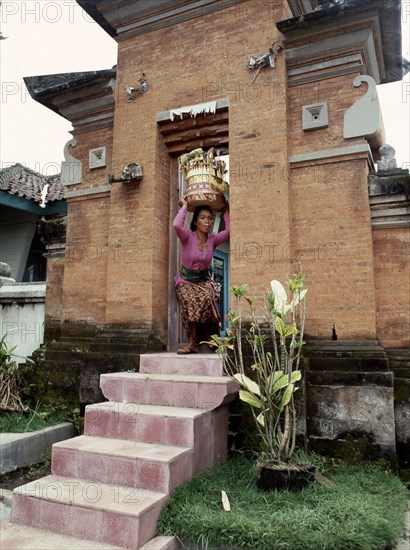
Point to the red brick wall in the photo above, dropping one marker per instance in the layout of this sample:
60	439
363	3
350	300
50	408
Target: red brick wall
330	213
332	239
392	276
86	259
93	140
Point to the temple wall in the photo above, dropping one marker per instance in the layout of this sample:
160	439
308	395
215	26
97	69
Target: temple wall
201	68
392	274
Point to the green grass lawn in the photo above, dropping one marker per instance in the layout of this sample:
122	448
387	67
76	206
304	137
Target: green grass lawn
363	509
15	422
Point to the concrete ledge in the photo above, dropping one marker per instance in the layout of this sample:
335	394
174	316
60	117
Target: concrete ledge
18	450
17	292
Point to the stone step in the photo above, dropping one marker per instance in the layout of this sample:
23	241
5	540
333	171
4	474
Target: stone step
21	537
163	543
204	431
112	514
208	364
172	390
121	462
144	423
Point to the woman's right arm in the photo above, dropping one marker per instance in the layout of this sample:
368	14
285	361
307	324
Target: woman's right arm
178	225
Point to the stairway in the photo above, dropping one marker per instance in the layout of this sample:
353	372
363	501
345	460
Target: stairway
159	428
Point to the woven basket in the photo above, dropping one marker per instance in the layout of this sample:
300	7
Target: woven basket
205	187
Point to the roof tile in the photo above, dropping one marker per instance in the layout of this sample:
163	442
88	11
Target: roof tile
24	182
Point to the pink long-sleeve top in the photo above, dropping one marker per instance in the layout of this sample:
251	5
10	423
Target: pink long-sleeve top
192	257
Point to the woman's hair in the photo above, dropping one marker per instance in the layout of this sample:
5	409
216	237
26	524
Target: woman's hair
196	214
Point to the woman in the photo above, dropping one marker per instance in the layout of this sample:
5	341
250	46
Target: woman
194	287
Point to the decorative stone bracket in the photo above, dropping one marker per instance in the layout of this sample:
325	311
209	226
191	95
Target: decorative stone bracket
71	168
363	118
130	172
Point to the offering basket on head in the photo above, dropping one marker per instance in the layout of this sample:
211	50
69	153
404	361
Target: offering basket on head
205	184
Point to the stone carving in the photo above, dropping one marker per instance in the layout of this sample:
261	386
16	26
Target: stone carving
387	158
5	270
363	118
134	92
267	59
71	168
130	172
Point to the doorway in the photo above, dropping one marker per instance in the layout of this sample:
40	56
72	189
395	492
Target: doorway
180	136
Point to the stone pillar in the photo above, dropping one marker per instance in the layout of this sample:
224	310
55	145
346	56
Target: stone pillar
53	234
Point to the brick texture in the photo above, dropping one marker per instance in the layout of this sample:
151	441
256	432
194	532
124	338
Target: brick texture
392	276
283	215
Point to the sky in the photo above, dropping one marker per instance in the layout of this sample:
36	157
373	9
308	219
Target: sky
50	37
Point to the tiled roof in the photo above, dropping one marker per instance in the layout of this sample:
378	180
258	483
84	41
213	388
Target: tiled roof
24	182
44	88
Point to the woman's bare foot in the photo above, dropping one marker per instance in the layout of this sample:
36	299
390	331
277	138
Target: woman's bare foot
186	350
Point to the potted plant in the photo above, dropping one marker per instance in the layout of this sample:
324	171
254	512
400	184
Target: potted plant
268	385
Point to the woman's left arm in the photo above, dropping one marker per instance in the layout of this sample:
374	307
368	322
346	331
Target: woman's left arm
223	235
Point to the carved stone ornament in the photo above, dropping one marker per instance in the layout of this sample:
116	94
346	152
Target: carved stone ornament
130	172
71	169
363	118
134	91
387	158
5	270
267	59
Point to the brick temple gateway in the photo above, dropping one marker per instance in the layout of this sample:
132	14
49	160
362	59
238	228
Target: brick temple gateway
302	126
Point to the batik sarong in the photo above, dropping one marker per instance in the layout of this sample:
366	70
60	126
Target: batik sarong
198	305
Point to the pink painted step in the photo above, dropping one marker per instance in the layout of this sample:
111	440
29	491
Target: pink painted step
121	462
204	432
109	485
22	537
192	365
172	390
146	423
112	514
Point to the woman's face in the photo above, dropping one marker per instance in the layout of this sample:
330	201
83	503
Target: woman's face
204	221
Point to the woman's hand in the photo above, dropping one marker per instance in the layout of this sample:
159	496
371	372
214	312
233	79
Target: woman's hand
182	202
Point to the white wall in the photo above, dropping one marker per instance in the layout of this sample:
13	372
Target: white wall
22	316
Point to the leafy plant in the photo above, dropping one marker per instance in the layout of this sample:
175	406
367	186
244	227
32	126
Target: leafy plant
9	378
276	374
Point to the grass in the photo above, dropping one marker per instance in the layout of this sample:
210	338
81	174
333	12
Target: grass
362	510
14	422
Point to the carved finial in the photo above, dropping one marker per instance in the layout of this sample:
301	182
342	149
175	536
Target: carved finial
387	158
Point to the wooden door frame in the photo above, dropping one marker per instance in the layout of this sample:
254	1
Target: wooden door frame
181	135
